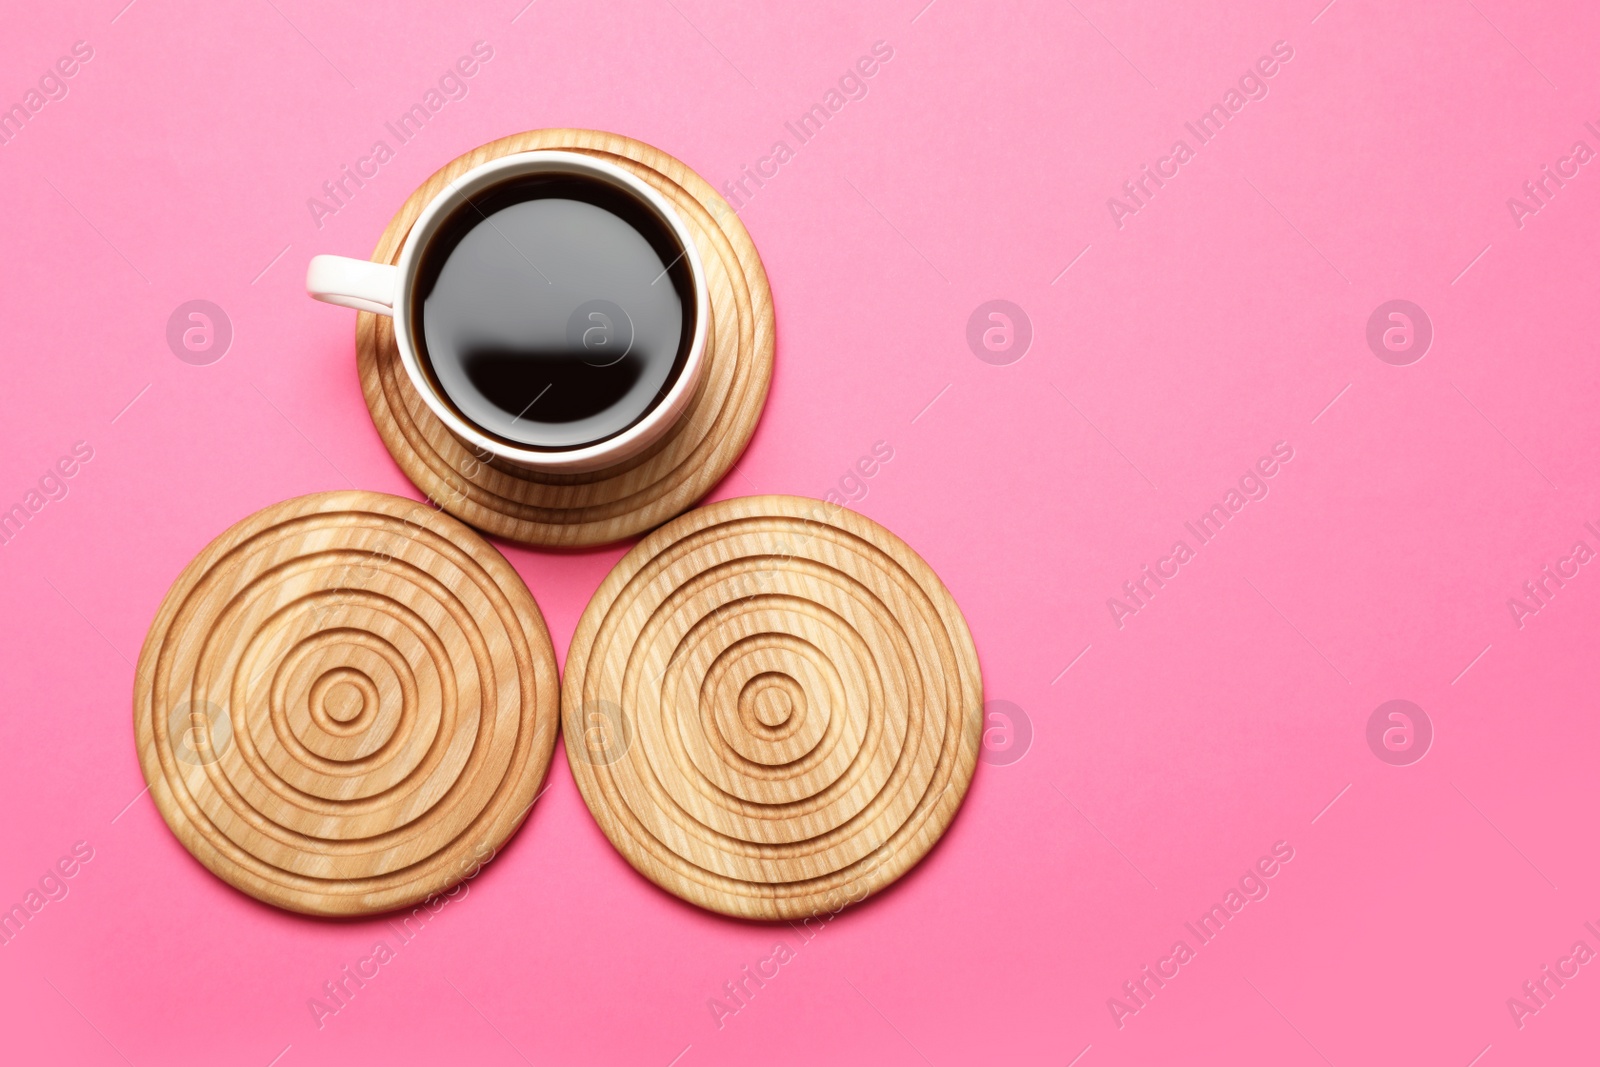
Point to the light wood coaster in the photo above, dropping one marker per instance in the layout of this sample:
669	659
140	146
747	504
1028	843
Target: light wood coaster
608	505
772	707
346	704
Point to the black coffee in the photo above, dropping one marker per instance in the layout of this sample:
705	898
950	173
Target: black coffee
553	311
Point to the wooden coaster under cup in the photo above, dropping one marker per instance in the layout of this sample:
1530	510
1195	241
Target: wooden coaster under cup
772	707
609	505
346	704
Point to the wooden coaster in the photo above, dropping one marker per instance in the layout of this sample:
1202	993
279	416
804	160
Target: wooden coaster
773	707
346	704
608	505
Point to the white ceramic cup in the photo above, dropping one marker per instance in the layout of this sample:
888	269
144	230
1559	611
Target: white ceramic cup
391	290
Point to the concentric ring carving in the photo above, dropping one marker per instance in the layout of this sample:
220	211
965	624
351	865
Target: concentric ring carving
345	703
772	707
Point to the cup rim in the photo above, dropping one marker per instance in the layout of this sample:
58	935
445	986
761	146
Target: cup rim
599	455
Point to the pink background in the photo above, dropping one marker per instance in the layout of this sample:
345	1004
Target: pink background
1222	318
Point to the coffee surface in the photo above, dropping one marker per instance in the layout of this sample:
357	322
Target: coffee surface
555	312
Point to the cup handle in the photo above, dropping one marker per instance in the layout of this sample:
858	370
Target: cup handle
353	283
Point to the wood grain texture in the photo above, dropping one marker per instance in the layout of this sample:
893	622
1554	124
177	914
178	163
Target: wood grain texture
346	704
772	707
621	501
